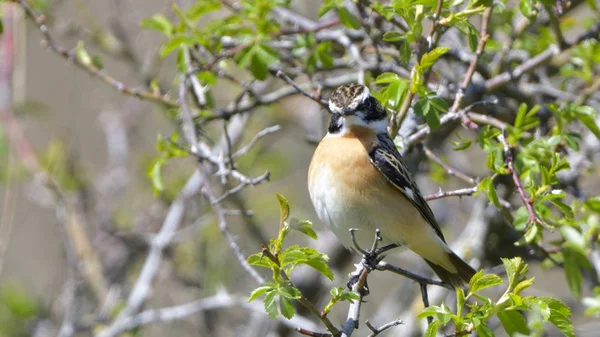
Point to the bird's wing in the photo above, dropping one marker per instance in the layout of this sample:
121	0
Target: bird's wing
386	158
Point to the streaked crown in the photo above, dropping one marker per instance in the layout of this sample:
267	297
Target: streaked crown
353	105
348	97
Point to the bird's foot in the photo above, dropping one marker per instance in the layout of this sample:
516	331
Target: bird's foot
370	260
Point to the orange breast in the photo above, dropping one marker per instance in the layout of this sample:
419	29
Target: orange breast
345	162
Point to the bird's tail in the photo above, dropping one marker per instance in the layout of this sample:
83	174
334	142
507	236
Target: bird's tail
462	276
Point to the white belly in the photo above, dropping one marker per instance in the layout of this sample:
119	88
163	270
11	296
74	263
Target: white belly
341	214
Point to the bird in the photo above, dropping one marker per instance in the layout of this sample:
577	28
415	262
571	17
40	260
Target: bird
357	179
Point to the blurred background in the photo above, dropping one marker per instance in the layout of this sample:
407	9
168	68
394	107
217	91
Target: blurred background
99	145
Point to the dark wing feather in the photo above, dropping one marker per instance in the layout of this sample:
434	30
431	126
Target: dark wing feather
386	158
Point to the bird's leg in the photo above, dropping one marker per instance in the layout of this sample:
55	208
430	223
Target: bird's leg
370	259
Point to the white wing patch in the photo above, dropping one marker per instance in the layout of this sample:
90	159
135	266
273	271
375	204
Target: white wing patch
409	193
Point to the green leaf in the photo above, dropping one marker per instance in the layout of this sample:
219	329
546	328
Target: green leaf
258	68
487	185
257	292
556	305
429	59
82	55
160	23
393	36
388	78
432	329
348	19
559	315
284	208
405	52
202	7
528	9
327	6
289	291
295	255
562	323
463	144
260	261
430	107
587	115
305	227
515	269
266	54
593	204
473	39
523	285
572	272
155	175
479	281
270	304
286	307
513	323
442	313
484	331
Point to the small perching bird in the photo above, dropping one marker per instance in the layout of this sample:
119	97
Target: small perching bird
357	179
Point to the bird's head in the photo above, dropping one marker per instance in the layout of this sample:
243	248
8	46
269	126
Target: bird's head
353	105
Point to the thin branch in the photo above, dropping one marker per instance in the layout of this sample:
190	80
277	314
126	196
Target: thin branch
454	193
257	137
449	169
417	278
224	228
315	97
485	18
91	68
377	331
508	158
536	61
182	311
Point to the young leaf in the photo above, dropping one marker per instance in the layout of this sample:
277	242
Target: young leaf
484	331
487	185
432	329
572	272
286	307
289	291
480	282
160	23
348	19
587	116
155	174
260	261
257	292
393	36
429	59
513	322
304	226
284	208
270	304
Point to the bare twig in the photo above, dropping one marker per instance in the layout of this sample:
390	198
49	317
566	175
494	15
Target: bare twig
377	331
454	193
90	67
262	133
449	169
178	312
536	61
315	97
